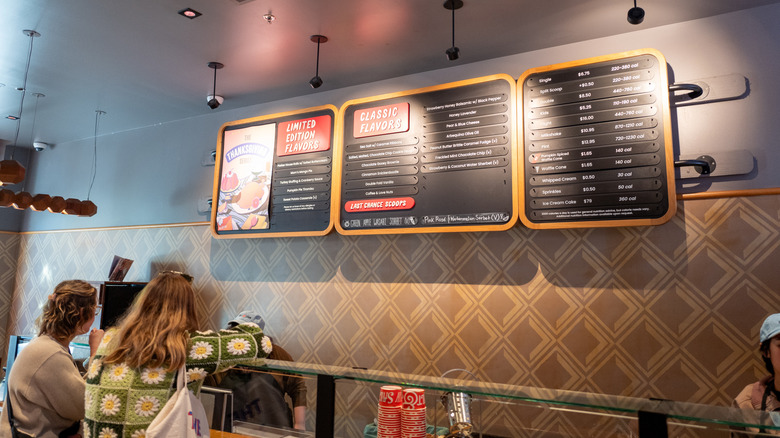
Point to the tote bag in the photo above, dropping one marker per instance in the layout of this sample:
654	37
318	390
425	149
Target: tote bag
182	416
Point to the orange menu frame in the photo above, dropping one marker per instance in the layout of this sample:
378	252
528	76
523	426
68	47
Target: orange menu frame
597	143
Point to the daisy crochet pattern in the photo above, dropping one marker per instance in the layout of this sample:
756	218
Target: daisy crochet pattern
121	401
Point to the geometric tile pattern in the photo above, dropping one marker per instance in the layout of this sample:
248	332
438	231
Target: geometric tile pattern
670	311
9	256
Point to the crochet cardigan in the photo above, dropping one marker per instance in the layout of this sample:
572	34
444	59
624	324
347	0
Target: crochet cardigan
121	402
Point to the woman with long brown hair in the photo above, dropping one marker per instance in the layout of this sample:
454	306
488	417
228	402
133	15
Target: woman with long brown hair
132	375
45	389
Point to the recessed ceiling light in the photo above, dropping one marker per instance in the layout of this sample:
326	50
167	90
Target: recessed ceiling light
189	13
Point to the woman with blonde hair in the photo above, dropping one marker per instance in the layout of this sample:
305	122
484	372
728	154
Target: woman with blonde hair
133	374
45	389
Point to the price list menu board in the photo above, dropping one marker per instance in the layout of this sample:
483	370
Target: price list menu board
597	146
438	159
273	175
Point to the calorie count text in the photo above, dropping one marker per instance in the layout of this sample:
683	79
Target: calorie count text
614	68
586	97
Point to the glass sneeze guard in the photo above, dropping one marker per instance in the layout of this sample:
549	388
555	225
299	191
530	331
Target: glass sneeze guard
659	412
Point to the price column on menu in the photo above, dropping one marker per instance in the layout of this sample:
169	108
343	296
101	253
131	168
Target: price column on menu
273	175
438	159
597	143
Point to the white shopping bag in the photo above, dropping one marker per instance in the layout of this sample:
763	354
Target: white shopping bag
182	416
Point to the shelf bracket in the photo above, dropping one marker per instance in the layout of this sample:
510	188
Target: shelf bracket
326	410
652	425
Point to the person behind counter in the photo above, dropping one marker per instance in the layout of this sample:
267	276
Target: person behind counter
45	389
259	397
765	394
133	374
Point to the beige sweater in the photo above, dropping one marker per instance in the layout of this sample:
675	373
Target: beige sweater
46	390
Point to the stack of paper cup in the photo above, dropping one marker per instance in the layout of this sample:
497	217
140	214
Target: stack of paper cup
413	413
389	412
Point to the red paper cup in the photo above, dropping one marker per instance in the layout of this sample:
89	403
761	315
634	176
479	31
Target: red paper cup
413	398
389	416
390	395
413	413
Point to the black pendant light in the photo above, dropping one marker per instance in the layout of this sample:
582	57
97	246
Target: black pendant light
316	81
636	14
214	100
453	52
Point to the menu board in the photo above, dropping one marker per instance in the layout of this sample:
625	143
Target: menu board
273	175
436	159
597	146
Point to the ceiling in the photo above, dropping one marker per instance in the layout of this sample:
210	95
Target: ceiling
143	64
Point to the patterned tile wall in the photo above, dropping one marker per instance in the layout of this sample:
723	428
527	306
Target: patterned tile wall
9	258
671	311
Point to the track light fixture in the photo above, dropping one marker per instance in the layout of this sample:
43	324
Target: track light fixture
453	52
636	14
316	81
213	100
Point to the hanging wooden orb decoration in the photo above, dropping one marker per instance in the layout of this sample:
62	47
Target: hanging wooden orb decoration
22	200
6	198
11	172
40	202
88	208
57	204
72	206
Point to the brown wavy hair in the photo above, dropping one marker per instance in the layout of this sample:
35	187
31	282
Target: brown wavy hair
155	330
72	304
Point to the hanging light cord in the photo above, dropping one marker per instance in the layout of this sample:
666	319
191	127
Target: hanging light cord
214	88
32	134
24	90
98	113
317	68
453	23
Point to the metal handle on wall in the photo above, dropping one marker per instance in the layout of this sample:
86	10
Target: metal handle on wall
695	90
704	164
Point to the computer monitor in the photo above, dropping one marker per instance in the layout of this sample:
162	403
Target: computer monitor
16	344
115	298
218	404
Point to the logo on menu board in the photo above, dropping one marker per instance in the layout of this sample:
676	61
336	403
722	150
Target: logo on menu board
381	120
303	136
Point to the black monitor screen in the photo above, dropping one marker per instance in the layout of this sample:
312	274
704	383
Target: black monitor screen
117	298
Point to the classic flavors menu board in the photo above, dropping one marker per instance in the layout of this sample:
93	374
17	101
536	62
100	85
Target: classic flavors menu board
597	147
273	175
435	159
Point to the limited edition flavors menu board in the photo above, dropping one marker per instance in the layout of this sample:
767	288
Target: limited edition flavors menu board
273	175
597	146
436	159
